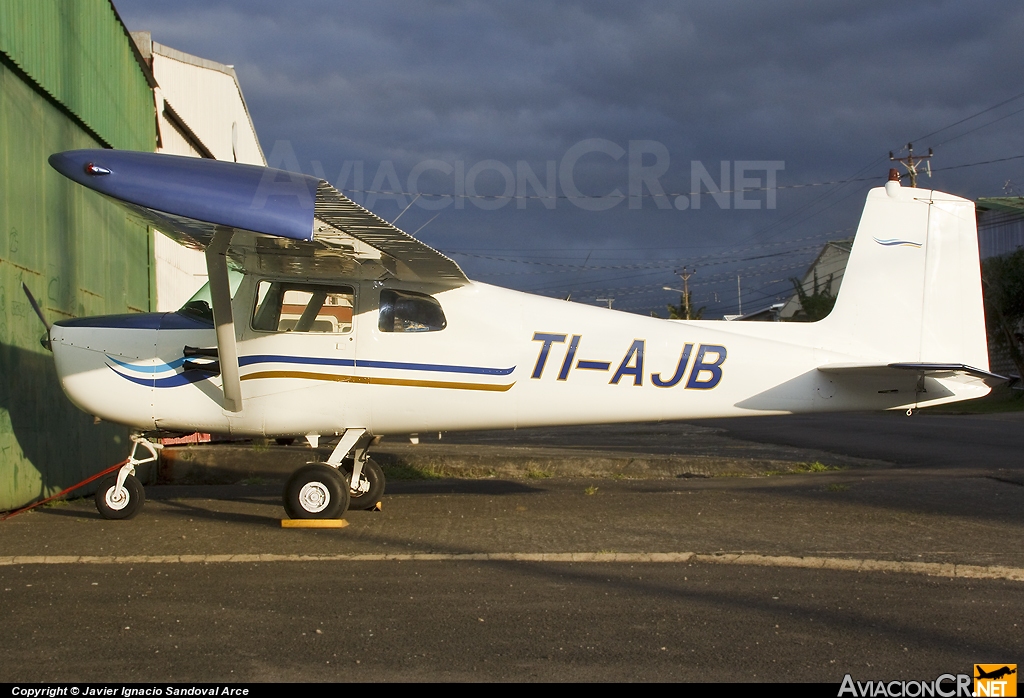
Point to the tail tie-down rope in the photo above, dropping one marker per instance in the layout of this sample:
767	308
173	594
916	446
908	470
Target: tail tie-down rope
130	460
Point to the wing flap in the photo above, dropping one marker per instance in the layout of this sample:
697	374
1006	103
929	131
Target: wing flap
340	212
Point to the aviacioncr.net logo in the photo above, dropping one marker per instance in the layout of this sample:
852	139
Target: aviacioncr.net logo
995	680
944	686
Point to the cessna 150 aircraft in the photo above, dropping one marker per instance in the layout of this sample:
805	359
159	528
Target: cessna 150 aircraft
322	320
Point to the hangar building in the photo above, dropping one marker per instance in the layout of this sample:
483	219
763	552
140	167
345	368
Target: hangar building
71	77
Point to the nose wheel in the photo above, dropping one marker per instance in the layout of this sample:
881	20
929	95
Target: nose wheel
124	502
121	496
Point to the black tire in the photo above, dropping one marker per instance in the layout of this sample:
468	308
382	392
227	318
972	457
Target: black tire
316	491
371	478
125	507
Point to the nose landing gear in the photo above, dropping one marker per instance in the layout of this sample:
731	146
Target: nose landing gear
121	496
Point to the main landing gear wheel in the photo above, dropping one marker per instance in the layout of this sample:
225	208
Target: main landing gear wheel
368	492
120	505
316	491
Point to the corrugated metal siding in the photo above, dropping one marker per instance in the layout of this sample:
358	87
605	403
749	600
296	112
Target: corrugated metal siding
209	100
80	255
77	51
1000	232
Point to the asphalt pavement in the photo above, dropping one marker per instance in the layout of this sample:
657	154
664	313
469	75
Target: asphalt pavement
903	564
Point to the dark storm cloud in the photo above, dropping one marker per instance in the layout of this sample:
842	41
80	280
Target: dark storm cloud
828	88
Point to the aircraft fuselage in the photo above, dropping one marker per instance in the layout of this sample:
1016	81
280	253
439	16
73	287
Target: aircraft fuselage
503	359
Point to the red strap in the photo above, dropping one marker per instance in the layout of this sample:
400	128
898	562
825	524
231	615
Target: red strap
63	492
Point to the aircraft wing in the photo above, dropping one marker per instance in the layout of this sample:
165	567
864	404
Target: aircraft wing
294	220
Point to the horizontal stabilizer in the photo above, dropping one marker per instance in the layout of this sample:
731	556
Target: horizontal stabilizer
956	372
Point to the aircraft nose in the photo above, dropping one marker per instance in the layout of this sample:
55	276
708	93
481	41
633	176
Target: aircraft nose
86	352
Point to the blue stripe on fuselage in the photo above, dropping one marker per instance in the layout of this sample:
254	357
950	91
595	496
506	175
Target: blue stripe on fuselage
156	368
174	381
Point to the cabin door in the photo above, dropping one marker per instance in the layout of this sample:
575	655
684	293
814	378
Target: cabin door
297	354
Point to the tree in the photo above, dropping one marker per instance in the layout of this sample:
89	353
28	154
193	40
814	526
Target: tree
1003	284
814	306
678	312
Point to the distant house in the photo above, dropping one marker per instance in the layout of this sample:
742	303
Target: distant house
1000	232
828	268
1000	225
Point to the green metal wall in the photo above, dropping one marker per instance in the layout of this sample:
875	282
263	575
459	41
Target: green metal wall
79	253
79	53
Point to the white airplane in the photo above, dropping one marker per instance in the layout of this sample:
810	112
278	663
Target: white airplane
322	320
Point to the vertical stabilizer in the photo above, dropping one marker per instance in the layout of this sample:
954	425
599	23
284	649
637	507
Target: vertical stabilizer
912	287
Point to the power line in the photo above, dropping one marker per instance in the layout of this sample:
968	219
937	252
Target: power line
968	118
975	164
583	197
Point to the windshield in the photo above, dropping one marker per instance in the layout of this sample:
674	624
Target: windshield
199	305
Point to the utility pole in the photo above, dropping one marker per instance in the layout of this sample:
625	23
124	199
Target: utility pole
684	292
912	164
685	276
739	293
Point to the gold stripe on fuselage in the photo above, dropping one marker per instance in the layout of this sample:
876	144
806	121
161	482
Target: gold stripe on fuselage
369	380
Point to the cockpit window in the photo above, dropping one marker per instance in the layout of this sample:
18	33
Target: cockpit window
407	311
199	305
285	306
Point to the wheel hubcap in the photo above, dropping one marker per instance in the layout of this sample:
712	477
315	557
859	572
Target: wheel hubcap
314	497
117	500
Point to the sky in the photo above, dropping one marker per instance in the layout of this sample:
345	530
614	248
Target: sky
570	137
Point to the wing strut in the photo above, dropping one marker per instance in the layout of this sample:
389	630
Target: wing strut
220	293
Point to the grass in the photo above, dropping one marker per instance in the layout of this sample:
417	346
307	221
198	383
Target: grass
591	490
535	474
1001	399
402	471
815	467
798	468
837	488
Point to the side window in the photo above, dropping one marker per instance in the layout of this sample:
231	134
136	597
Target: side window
407	311
199	305
284	306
